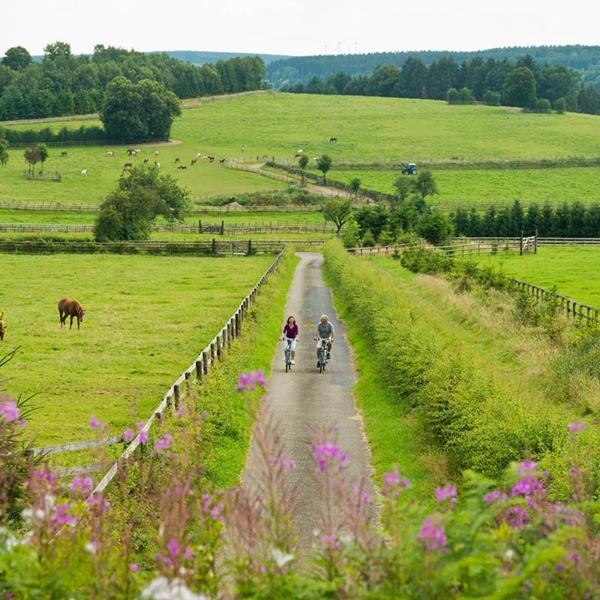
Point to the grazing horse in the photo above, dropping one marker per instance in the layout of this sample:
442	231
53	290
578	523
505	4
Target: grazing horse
64	153
177	160
3	326
211	159
333	140
70	308
193	161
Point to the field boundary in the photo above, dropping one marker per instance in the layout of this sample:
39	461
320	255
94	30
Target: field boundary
218	228
212	247
200	367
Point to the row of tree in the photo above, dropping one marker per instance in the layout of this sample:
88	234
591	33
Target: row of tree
63	84
569	219
292	70
520	83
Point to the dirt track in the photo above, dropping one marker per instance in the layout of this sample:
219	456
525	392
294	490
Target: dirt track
305	401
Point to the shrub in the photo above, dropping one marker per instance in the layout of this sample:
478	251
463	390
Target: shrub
492	98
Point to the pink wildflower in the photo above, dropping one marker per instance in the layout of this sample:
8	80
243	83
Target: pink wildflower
173	548
9	410
249	381
62	516
432	534
94	423
163	443
575	427
446	493
289	465
495	496
392	482
527	468
215	513
323	453
527	486
143	437
82	484
330	541
128	434
45	475
516	516
99	501
134	567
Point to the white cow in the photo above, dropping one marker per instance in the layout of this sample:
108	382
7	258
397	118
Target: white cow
84	173
156	153
110	153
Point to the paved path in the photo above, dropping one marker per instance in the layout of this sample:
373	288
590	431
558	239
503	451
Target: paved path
305	401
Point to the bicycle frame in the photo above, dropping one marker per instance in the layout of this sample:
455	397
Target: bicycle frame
288	354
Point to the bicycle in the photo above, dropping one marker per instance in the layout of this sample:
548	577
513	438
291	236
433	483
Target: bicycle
287	354
323	354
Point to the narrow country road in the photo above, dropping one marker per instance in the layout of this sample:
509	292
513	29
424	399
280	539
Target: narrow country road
305	402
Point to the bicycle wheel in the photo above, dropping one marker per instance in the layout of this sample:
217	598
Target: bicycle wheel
287	366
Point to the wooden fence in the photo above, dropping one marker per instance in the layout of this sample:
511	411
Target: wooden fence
219	228
199	369
195	248
572	307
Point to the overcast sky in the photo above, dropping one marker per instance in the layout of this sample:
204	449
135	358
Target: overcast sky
297	26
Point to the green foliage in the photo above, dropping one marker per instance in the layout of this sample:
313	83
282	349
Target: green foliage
355	185
338	211
324	163
473	416
519	88
462	96
351	234
368	239
560	106
492	98
138	111
141	195
4	155
435	227
64	84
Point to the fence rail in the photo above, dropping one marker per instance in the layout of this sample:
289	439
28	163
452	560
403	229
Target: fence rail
219	228
198	248
199	369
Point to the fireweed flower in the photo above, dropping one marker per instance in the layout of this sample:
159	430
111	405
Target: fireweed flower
328	452
94	423
495	496
163	443
61	515
134	567
575	427
392	482
9	411
82	484
99	501
527	468
516	516
432	534
249	381
330	541
446	493
173	548
128	434
527	486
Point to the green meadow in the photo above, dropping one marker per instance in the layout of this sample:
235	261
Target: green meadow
574	270
146	319
468	188
368	129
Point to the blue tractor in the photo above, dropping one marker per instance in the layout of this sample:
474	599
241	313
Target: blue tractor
409	169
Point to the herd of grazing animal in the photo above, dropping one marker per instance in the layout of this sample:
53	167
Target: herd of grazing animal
67	308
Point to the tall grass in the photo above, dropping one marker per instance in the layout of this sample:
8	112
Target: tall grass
480	420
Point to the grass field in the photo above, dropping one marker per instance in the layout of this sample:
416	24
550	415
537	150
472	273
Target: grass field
466	188
230	218
367	129
575	271
146	319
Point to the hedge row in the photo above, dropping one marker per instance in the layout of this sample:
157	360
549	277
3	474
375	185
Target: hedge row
477	421
86	135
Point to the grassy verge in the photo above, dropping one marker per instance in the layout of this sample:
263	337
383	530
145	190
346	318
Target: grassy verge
474	381
389	426
229	415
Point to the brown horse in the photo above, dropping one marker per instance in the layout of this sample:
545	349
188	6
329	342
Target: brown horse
70	308
2	326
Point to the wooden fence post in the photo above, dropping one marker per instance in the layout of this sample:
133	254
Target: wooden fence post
214	246
199	370
199	225
205	362
535	242
177	395
213	351
222	227
521	244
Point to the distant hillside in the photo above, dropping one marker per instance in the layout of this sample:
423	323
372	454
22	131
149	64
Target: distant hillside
200	57
303	68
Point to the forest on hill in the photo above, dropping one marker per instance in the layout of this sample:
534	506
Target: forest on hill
65	84
292	70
